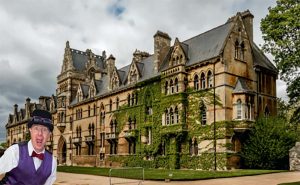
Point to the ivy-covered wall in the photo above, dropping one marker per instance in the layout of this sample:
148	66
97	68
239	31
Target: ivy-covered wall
170	144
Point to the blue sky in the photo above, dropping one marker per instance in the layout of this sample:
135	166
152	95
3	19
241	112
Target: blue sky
33	36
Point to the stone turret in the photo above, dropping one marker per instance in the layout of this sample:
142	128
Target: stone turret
162	43
110	64
16	113
67	62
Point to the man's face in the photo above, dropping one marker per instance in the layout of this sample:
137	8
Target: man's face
39	136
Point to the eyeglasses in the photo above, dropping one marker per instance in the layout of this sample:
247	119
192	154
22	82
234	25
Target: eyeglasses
38	119
38	129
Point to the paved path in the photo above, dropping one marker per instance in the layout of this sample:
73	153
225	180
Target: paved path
268	179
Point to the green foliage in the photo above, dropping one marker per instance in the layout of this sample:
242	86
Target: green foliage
268	145
4	145
281	33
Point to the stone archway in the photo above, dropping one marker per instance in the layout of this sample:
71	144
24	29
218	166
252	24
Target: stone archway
62	150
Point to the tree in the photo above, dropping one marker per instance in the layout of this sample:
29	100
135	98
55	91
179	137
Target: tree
280	29
268	144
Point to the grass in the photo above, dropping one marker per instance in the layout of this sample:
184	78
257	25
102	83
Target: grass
162	174
291	183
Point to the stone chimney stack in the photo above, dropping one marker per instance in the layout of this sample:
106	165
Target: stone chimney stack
27	108
110	64
162	43
16	118
248	22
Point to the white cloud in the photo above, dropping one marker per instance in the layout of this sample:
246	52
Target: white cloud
34	33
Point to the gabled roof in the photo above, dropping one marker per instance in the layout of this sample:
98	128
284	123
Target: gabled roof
208	44
80	58
241	87
85	90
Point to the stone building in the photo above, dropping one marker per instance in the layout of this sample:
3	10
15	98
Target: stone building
190	104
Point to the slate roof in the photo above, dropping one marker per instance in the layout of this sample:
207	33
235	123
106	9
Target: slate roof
261	60
198	49
80	58
241	87
85	90
208	44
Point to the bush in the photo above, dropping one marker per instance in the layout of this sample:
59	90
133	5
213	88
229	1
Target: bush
268	145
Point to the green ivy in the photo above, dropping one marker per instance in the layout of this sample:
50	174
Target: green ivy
176	137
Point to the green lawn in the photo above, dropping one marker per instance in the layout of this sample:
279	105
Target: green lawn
161	174
291	183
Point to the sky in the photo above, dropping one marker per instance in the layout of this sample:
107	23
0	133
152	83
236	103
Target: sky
33	35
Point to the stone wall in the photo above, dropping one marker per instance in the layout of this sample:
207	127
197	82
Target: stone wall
295	157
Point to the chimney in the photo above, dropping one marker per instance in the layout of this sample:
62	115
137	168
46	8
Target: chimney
162	43
247	18
110	64
138	55
27	108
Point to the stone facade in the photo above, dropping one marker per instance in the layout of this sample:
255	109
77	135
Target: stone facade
189	104
295	157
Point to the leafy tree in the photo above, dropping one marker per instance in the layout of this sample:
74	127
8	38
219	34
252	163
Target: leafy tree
268	144
281	32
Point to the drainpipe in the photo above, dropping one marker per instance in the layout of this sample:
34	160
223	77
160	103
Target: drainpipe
215	142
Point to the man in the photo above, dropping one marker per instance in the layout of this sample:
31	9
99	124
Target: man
29	163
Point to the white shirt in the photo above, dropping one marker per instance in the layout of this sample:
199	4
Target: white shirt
10	160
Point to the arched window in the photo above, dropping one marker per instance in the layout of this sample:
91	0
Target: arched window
102	115
210	79
90	129
172	86
79	131
176	85
117	103
242	51
93	129
196	82
172	116
167	117
176	116
202	81
95	109
236	49
166	87
128	99
267	111
203	114
239	109
110	105
136	98
89	111
132	99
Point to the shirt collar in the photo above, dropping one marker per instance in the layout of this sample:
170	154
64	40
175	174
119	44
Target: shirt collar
30	148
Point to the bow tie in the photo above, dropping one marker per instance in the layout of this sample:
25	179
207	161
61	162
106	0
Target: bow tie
40	156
